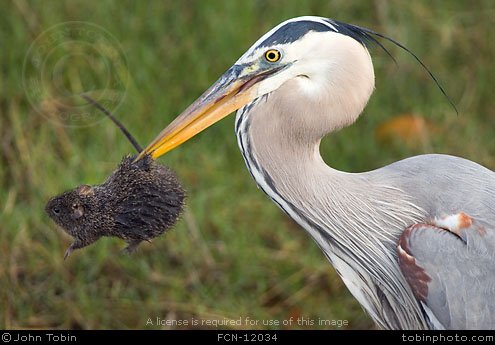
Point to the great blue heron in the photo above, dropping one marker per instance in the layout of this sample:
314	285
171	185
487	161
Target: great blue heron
414	241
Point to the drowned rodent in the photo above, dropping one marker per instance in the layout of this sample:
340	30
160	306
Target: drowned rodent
138	202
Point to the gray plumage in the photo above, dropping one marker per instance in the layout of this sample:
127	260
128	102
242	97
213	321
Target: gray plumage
413	241
460	264
357	219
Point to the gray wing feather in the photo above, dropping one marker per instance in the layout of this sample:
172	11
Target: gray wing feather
461	268
460	273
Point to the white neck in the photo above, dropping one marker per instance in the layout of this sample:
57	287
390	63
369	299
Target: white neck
355	219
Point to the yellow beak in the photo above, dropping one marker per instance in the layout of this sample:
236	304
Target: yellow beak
232	91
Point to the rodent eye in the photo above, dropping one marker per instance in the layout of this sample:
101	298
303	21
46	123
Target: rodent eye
272	55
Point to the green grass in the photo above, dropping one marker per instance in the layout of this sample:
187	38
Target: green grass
234	254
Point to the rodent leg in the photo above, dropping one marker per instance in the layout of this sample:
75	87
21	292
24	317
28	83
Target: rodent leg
75	245
131	246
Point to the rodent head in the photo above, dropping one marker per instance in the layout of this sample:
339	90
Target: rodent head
69	210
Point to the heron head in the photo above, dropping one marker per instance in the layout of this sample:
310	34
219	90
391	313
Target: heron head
314	52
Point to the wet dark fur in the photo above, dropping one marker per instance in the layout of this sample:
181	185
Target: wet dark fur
138	202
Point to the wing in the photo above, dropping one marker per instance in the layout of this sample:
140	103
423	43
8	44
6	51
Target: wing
450	266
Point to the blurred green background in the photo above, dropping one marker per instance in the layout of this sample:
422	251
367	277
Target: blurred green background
234	254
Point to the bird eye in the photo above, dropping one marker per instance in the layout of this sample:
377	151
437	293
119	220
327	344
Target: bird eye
56	210
272	55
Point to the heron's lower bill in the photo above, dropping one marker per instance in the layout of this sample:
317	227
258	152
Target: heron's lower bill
231	92
207	110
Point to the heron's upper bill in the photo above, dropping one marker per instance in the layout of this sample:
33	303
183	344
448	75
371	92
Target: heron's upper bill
233	90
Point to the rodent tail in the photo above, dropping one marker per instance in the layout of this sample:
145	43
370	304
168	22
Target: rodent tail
114	120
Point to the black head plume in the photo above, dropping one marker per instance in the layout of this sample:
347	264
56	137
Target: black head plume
365	35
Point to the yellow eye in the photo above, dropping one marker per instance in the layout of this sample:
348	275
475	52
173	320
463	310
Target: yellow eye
272	55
